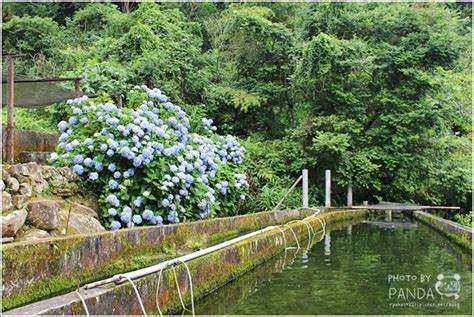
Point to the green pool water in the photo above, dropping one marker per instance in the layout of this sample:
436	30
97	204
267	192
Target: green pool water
373	267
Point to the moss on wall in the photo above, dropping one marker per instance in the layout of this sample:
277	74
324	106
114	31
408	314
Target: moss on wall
37	270
208	272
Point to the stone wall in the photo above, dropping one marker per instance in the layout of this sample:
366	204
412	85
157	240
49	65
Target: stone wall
43	201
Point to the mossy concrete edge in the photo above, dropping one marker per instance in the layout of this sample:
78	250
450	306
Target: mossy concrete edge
208	273
48	267
457	233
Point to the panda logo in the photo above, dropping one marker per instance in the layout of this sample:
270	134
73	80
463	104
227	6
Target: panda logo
448	286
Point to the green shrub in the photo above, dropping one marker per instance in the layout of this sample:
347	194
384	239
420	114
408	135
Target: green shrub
148	164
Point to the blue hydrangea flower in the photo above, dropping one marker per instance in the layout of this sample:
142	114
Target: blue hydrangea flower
113	184
72	120
156	220
62	126
137	219
112	167
165	203
112	212
117	174
138	201
137	161
98	166
78	169
115	225
78	159
113	200
148	214
88	162
125	217
173	216
93	176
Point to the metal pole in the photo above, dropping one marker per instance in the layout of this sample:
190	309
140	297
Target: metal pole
77	87
10	105
349	195
305	189
328	188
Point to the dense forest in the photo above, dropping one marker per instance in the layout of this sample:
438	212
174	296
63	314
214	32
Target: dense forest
378	93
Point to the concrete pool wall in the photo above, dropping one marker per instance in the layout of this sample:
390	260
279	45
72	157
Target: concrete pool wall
36	270
208	273
457	233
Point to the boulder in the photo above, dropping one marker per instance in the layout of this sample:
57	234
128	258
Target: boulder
40	186
6	201
78	224
81	209
13	184
20	201
25	189
13	222
31	233
50	172
18	169
34	170
43	214
63	192
68	189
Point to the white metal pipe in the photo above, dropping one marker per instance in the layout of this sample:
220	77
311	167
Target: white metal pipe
118	278
328	188
349	195
305	189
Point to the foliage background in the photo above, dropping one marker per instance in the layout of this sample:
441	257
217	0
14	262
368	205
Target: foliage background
378	93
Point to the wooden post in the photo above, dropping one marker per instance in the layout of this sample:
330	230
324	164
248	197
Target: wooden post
77	87
10	105
119	101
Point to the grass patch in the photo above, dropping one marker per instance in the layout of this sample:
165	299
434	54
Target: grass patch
39	120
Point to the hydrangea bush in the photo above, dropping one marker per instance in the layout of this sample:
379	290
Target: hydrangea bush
146	161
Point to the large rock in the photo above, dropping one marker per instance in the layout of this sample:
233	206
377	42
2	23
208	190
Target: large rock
50	172
81	209
78	223
13	184
6	202
31	233
25	189
20	201
43	214
18	169
40	186
13	222
32	169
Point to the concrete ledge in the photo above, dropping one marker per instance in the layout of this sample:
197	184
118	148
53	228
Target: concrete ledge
31	141
459	234
208	273
36	270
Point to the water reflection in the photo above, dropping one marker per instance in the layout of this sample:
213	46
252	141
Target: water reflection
354	261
